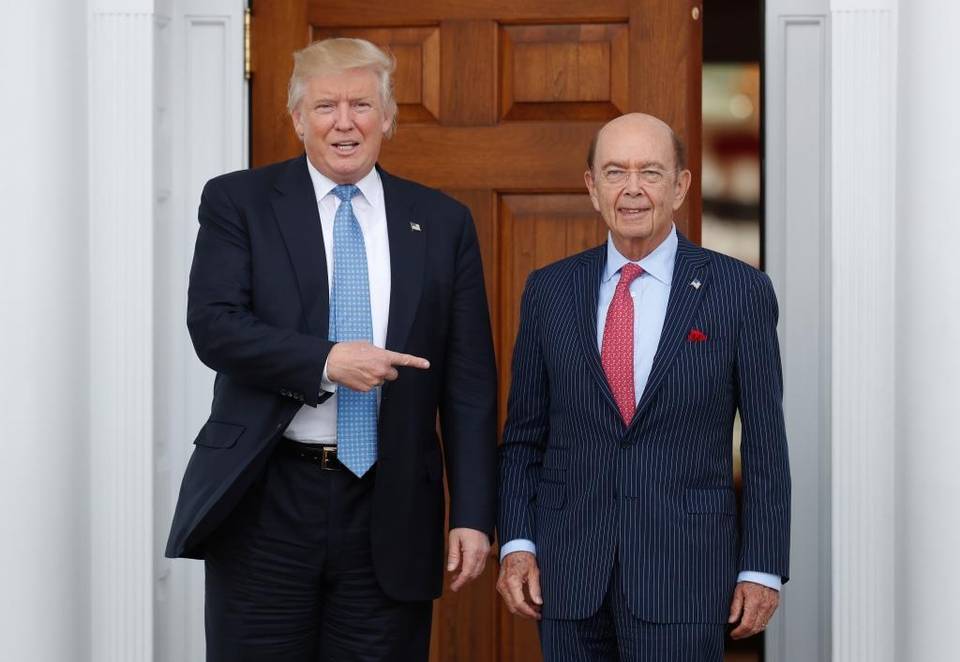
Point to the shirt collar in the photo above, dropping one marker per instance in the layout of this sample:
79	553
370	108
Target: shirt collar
659	263
371	188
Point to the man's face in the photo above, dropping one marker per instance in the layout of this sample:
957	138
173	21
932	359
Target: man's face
342	121
634	183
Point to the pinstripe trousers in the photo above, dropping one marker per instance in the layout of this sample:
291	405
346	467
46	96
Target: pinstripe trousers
614	635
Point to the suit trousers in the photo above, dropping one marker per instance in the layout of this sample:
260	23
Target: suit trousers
290	577
613	634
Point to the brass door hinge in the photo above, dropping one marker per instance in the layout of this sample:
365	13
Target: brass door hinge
246	44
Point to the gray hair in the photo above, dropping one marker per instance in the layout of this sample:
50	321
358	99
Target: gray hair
333	56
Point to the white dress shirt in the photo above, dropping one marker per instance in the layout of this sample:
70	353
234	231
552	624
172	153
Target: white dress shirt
651	293
318	425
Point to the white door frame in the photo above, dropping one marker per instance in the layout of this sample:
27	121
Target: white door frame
168	109
830	95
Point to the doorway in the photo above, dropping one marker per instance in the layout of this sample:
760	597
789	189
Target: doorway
732	221
498	103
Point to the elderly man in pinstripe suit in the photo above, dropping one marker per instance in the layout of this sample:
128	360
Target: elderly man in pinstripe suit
621	532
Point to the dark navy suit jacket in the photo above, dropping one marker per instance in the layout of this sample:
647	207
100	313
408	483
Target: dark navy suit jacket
656	495
258	314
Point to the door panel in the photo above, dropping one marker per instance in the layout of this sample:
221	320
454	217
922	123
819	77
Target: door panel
498	101
537	229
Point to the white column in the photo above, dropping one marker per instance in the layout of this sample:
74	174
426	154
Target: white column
44	483
928	333
863	199
122	160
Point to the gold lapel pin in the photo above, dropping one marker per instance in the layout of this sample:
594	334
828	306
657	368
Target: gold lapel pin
696	283
415	227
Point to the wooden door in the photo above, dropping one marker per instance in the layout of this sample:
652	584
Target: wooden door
498	102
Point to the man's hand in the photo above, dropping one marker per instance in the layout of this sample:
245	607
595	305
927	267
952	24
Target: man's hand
519	584
361	366
753	605
469	549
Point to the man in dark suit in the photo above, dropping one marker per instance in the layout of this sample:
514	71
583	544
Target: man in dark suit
342	308
620	527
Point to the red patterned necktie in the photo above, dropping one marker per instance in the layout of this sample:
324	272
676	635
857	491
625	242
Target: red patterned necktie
616	354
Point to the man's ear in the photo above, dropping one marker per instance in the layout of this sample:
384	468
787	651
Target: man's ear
591	189
684	177
297	122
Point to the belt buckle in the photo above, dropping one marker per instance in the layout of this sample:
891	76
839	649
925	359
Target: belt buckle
328	458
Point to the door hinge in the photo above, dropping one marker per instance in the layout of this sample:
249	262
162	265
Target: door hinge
246	44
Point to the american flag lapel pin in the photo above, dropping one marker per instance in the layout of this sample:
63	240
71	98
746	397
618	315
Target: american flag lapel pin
414	226
695	283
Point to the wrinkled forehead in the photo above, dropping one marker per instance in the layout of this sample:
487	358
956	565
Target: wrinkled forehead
352	82
635	141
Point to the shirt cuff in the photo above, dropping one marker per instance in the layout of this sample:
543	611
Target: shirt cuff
763	578
518	545
325	383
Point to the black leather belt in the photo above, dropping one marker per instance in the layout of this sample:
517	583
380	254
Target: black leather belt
324	456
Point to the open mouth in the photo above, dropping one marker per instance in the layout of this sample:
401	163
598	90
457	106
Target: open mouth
346	146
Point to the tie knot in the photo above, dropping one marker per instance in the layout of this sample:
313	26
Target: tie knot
629	273
345	192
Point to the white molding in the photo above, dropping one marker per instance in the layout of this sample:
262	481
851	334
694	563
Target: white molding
797	185
121	208
863	203
207	121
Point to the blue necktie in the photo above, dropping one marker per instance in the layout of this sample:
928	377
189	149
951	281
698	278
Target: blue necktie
350	320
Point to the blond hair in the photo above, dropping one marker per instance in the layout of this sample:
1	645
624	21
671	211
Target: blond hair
336	55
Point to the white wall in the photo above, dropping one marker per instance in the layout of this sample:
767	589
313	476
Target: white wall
44	558
928	332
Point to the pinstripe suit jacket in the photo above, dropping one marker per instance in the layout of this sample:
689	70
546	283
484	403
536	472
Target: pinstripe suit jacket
657	495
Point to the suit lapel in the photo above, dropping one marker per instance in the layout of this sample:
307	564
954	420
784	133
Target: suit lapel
691	264
295	206
586	289
406	233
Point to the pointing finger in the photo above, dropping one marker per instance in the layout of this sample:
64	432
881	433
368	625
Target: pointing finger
408	361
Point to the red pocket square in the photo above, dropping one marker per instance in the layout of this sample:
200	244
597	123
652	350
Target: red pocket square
696	335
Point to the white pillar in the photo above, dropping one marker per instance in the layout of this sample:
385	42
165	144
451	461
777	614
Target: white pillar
928	333
44	485
122	162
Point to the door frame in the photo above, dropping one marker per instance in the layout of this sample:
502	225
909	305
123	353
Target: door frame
830	179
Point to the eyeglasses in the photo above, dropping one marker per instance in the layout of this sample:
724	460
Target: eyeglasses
615	176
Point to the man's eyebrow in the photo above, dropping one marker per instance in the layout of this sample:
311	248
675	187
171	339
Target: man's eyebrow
643	166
